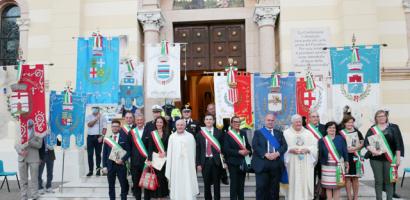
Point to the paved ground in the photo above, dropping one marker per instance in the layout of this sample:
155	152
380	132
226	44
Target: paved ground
403	192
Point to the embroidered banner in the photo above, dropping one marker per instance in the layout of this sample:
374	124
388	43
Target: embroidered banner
282	102
163	71
29	95
97	69
67	119
224	108
355	80
312	100
243	106
131	88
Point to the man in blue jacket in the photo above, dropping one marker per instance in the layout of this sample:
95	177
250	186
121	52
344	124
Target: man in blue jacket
116	168
269	147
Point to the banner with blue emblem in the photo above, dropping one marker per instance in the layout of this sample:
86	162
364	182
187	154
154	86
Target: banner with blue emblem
131	80
281	102
67	111
97	69
355	79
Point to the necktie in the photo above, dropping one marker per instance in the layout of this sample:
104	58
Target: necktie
271	149
208	149
115	138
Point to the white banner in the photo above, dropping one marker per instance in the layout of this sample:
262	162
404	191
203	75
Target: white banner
137	73
163	72
222	106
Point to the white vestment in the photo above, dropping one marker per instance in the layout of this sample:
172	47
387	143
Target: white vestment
300	167
180	167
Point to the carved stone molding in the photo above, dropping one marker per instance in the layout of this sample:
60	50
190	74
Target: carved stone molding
23	23
151	20
396	73
266	15
406	5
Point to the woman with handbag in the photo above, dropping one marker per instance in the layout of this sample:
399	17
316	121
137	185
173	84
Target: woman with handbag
237	148
383	145
354	140
158	143
332	154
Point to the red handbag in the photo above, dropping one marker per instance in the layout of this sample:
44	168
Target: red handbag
149	179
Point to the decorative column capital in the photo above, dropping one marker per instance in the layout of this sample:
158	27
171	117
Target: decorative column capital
266	15
406	5
151	20
23	23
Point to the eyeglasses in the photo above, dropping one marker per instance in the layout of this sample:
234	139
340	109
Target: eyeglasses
236	121
115	126
379	116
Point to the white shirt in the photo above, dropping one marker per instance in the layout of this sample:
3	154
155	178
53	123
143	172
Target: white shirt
116	135
140	131
206	143
98	126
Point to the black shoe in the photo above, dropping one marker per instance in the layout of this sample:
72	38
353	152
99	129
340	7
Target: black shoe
89	174
397	196
98	172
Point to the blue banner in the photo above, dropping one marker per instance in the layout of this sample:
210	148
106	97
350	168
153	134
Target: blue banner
67	119
129	93
281	103
355	66
97	74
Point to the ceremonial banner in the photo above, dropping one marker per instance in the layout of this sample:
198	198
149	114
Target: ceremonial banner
131	79
355	79
223	107
97	69
163	71
67	118
28	96
312	100
282	102
243	106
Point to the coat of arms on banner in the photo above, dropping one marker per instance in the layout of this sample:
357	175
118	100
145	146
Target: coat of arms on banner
164	73
312	100
19	102
275	102
131	90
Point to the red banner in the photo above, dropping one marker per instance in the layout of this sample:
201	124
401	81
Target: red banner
305	99
32	80
243	107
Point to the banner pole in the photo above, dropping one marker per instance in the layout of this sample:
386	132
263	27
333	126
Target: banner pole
62	173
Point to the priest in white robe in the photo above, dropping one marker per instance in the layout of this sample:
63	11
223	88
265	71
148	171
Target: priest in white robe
300	160
180	166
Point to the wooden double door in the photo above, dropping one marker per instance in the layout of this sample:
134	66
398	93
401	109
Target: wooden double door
208	47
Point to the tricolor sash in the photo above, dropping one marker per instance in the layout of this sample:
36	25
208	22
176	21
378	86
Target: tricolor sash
268	136
331	148
158	141
211	139
314	131
238	139
359	161
138	142
389	155
126	129
111	142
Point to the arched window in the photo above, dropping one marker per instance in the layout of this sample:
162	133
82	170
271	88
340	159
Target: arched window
9	35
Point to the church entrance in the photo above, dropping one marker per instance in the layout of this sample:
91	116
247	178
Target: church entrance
208	47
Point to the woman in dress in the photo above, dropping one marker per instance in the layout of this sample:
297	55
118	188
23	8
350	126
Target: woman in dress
158	143
356	140
379	161
332	154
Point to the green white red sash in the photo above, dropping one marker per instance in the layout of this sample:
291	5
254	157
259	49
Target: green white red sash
312	128
211	139
389	155
126	129
331	148
138	142
238	139
111	142
359	161
158	141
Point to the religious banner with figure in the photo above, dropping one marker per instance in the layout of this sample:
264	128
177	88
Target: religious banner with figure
97	69
314	100
224	107
243	105
131	79
355	79
280	101
163	71
67	117
28	100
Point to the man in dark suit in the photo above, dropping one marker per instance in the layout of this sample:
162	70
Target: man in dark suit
129	123
116	168
208	157
269	147
192	126
138	155
236	148
313	126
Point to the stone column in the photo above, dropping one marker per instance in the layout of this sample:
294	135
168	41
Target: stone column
265	17
406	6
151	21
